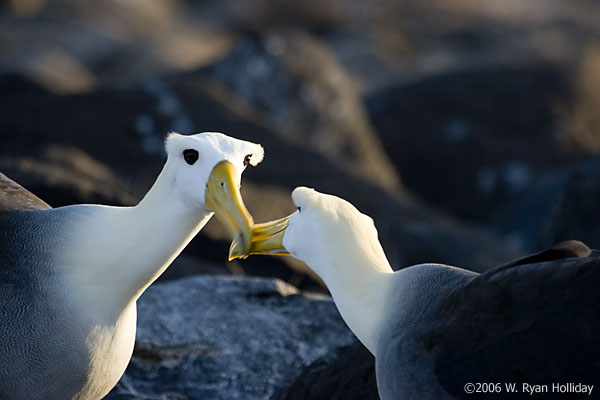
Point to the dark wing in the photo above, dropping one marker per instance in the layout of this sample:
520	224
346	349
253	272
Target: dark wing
13	197
529	323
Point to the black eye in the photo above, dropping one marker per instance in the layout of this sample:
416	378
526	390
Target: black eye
247	159
190	156
299	209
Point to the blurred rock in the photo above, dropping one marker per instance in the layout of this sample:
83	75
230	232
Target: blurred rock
563	204
63	172
187	264
227	338
385	41
580	116
524	217
103	129
297	82
469	141
54	54
575	210
75	46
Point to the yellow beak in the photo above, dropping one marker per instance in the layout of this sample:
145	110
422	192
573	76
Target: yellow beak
224	199
266	238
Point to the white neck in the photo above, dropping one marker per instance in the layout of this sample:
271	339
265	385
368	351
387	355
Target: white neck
359	284
115	253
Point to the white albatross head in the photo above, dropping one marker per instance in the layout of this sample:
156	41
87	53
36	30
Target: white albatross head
204	171
326	232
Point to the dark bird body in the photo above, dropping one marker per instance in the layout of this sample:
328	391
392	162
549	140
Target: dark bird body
534	321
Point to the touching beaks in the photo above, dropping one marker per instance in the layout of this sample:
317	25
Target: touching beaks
224	199
266	238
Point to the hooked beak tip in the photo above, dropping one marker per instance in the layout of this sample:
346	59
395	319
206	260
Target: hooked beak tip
239	248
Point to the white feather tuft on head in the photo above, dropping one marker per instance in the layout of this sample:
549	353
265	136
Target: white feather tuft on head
257	156
227	146
302	195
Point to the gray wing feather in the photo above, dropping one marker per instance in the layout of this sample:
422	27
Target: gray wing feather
41	354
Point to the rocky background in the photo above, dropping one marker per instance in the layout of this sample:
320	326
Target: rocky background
469	131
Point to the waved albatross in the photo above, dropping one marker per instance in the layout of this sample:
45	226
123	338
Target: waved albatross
70	276
438	331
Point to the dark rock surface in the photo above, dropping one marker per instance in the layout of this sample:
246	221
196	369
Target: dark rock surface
227	338
348	373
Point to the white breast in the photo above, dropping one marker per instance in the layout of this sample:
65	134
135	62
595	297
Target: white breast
110	349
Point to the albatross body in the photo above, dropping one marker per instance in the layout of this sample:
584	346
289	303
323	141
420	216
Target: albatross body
70	276
435	328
